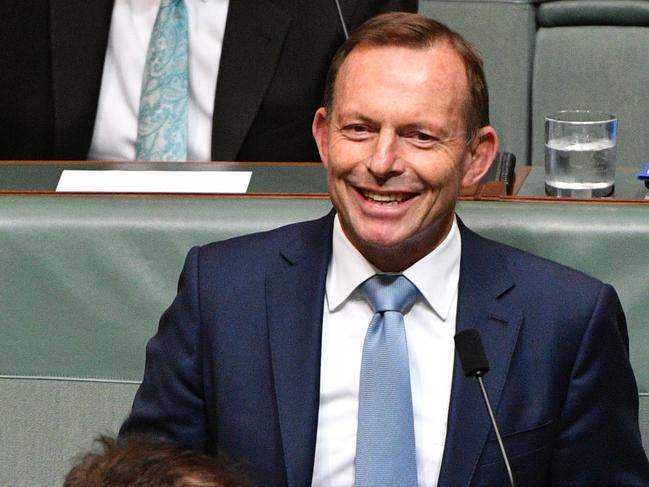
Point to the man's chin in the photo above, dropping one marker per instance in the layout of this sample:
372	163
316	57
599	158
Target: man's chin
386	243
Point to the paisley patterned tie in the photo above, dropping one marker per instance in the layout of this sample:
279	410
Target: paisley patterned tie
162	119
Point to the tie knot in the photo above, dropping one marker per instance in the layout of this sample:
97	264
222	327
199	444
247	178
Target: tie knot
386	292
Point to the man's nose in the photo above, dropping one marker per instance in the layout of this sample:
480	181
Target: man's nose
384	161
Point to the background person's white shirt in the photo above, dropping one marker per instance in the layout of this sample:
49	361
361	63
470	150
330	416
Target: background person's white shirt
430	327
131	25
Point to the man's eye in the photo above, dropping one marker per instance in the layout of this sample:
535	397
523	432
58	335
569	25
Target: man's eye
423	137
356	130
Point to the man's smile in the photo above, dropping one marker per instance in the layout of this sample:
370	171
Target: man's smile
389	198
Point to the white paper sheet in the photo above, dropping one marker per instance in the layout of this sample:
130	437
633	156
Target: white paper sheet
109	181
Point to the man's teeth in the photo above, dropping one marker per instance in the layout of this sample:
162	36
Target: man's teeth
384	197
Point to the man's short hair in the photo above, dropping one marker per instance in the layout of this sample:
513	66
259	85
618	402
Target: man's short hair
402	29
150	463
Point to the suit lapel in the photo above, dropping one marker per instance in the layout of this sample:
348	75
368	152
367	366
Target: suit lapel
254	35
295	298
79	36
483	280
295	295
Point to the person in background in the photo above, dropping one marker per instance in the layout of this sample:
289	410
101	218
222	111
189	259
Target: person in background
148	463
82	80
322	353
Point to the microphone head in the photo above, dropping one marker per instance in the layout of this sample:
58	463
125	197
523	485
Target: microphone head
472	357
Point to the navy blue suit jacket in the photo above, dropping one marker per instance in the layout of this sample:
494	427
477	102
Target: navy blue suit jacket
235	365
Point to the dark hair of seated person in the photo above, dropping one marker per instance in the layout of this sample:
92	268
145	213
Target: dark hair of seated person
143	462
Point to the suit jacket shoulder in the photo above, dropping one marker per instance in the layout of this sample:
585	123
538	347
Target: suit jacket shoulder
555	339
235	363
528	271
260	251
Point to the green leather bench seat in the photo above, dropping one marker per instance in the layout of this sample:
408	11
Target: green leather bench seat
86	279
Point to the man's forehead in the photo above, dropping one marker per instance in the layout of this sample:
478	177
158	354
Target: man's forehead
440	59
430	52
438	66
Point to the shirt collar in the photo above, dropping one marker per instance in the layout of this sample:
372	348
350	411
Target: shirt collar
436	275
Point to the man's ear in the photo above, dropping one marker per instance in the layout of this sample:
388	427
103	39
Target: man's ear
320	130
483	151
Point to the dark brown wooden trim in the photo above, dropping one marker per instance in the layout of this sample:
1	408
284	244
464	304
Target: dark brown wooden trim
550	199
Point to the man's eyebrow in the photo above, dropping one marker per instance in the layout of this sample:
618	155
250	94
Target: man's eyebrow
355	117
418	126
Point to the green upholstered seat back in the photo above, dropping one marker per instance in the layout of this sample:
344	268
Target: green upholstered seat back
593	55
86	279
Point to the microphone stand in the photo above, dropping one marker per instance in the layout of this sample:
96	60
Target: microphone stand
342	19
475	364
478	376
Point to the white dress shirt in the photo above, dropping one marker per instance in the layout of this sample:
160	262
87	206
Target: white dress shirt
131	25
430	327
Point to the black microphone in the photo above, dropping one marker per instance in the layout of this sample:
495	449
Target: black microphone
474	363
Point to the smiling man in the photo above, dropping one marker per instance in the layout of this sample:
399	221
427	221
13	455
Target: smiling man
397	142
322	353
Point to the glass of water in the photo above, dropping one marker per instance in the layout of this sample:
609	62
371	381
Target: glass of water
580	150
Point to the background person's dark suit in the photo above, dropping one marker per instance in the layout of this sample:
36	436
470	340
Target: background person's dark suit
236	365
271	77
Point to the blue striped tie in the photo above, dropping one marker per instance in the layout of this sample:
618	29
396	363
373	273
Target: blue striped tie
385	441
162	119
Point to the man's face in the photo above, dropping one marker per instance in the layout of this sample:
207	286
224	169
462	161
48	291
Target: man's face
395	148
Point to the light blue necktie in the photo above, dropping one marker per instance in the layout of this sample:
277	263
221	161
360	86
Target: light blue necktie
162	119
385	441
